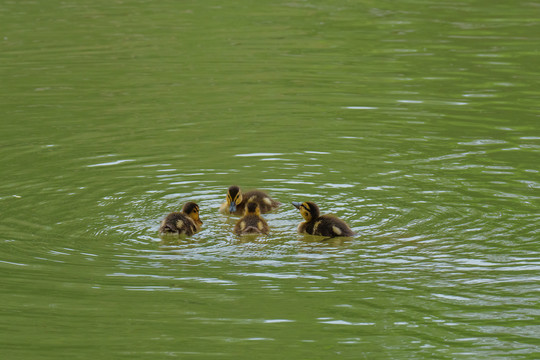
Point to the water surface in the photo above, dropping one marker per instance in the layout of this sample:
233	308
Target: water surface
416	122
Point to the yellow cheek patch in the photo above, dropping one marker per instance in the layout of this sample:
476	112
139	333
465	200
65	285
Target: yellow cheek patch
305	214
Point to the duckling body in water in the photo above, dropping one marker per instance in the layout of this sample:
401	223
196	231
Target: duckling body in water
251	222
324	225
236	201
185	222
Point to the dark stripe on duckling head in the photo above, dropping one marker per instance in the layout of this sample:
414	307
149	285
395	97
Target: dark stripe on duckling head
252	207
233	192
190	207
304	210
312	208
308	205
234	197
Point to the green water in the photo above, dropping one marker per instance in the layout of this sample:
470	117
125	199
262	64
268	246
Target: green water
414	121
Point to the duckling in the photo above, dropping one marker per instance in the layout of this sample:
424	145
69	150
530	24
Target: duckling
236	201
316	224
184	222
251	222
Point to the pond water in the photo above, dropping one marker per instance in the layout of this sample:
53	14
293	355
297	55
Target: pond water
415	121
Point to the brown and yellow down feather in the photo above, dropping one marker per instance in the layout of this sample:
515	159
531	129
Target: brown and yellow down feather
240	199
185	222
251	222
323	225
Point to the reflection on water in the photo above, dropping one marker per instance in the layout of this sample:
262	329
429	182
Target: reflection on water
414	122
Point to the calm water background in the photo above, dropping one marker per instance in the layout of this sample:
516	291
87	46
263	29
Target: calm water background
415	121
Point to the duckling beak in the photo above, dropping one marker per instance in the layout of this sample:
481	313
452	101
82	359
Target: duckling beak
232	208
297	204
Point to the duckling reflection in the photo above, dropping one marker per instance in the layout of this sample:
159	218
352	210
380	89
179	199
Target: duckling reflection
185	222
251	222
323	225
236	201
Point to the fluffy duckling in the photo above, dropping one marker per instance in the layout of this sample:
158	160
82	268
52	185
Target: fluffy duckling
316	224
236	201
251	222
185	222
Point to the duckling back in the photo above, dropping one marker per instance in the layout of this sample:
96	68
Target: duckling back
245	229
178	223
185	222
265	202
327	225
251	222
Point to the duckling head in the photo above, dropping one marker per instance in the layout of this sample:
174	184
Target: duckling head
191	209
308	210
234	197
252	208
